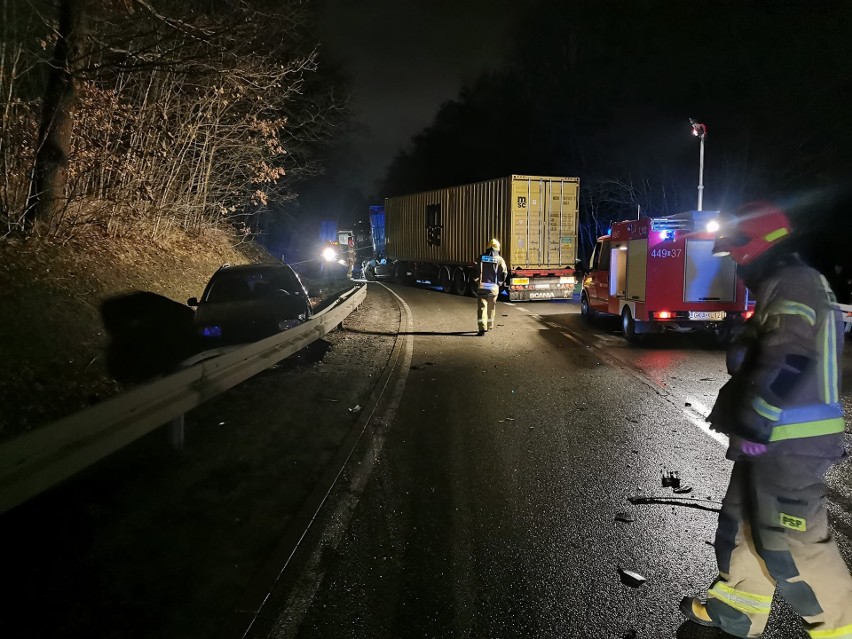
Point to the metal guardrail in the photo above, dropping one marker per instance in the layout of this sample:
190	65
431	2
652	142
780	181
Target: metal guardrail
38	460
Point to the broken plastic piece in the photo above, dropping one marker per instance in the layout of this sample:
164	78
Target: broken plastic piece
630	578
682	489
625	517
355	409
670	479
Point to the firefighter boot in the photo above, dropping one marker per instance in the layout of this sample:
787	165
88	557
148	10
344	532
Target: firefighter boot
695	610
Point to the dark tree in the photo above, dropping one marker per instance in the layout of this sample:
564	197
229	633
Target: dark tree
47	196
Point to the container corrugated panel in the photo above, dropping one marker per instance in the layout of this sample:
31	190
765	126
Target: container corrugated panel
534	217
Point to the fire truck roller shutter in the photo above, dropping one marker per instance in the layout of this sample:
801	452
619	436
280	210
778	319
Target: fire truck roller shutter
637	265
708	277
618	270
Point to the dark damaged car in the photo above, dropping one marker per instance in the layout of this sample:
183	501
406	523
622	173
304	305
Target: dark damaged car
246	303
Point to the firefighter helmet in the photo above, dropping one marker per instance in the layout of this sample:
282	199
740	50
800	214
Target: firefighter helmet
495	244
755	229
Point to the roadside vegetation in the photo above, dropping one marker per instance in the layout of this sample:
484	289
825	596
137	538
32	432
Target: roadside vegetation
143	143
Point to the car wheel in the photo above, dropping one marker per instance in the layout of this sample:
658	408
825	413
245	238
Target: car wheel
628	326
369	274
586	311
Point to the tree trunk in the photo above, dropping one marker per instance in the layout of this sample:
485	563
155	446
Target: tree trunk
47	198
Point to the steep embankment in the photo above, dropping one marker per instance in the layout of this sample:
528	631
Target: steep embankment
53	343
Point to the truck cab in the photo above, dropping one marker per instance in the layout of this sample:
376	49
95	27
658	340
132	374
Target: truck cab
660	274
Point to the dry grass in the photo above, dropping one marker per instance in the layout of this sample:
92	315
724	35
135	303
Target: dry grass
53	343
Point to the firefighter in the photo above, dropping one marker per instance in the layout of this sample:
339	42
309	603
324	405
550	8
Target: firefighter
492	273
781	412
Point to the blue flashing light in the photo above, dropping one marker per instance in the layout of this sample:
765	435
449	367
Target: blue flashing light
666	235
212	331
609	231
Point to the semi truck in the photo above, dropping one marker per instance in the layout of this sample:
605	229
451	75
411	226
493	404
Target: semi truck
436	236
660	274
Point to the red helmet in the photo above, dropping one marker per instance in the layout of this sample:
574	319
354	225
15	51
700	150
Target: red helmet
755	228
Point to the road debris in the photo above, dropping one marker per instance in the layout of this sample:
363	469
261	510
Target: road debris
686	502
355	409
682	489
625	517
630	578
417	367
670	479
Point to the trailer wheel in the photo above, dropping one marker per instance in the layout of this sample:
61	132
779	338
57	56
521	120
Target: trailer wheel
444	279
459	286
628	327
472	286
399	273
586	311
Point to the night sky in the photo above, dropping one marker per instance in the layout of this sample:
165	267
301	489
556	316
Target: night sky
406	58
602	90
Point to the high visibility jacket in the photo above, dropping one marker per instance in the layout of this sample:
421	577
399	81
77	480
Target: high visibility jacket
785	382
492	270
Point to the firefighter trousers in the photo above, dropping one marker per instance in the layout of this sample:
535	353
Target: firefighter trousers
486	308
773	534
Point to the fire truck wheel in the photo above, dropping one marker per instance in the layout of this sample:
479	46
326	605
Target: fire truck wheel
628	326
586	311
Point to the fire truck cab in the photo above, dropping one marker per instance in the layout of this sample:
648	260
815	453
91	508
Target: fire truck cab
660	274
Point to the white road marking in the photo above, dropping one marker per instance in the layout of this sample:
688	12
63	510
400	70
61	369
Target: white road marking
303	593
695	412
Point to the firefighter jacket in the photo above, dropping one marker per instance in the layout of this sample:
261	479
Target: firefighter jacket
784	389
492	271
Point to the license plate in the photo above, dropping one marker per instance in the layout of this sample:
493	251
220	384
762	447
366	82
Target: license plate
540	296
520	281
709	316
542	286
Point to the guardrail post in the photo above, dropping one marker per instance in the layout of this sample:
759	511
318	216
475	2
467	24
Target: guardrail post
176	432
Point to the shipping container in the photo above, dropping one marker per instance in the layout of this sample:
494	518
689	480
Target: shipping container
436	236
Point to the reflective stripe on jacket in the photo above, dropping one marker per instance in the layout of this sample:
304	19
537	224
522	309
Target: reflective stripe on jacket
787	386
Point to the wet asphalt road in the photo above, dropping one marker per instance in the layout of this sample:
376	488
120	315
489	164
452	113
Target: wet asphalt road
485	504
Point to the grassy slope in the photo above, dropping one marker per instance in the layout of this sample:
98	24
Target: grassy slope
52	341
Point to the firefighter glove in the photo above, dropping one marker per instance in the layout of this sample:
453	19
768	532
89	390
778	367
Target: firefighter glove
748	448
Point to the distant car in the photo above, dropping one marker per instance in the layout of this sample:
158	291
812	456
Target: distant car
249	302
377	269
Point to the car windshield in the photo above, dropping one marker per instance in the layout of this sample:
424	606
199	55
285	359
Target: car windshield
236	286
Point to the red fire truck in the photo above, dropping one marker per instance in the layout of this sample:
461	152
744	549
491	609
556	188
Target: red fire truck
660	274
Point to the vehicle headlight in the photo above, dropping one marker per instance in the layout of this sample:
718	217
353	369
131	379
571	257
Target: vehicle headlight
329	254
